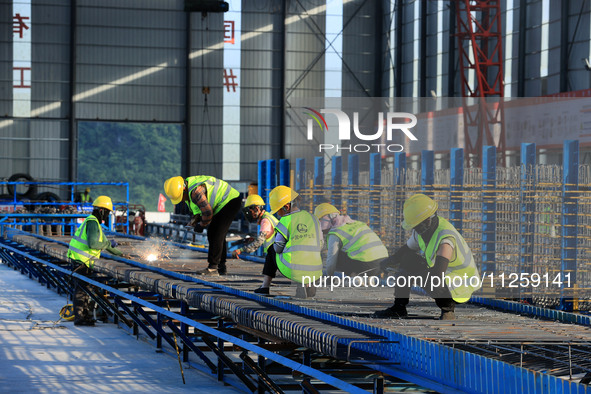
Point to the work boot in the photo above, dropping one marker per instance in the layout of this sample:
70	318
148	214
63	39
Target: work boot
448	315
262	291
304	292
208	272
394	312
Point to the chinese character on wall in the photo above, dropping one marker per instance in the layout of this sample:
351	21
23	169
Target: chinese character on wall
229	32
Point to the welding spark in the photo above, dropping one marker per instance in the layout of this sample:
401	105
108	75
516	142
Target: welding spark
151	257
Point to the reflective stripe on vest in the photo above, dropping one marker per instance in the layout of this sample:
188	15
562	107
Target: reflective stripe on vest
273	220
301	256
78	249
219	192
462	265
360	242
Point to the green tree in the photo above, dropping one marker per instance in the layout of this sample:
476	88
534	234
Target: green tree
143	155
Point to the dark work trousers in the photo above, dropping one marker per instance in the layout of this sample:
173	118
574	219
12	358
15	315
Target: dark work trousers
81	302
217	231
350	267
270	267
414	264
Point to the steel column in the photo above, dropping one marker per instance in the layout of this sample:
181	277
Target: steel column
569	228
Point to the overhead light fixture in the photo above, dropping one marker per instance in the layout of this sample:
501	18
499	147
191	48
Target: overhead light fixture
206	6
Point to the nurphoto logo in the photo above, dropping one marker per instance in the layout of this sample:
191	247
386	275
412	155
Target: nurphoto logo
393	122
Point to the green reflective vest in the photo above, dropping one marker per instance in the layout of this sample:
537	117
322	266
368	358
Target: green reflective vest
271	238
462	264
79	249
301	255
360	242
219	192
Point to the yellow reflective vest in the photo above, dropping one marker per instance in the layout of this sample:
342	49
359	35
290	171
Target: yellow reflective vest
219	192
269	241
461	267
301	255
79	248
360	242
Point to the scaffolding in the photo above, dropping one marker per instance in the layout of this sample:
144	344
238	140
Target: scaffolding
528	226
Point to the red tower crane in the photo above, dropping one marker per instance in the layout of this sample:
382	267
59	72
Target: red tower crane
479	35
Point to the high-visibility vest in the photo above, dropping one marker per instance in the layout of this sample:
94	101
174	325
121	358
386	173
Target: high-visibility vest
301	255
462	263
85	197
271	238
79	248
360	242
219	192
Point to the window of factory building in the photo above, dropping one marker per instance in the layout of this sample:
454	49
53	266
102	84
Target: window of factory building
141	154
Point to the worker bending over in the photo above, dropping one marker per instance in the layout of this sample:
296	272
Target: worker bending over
446	254
213	203
85	247
254	211
353	248
297	244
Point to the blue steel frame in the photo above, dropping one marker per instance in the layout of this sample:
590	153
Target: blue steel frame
429	364
49	219
353	180
15	202
337	181
570	210
375	180
527	208
161	313
456	186
489	209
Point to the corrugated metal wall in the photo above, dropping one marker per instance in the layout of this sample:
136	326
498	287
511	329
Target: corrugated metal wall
206	110
304	74
261	88
5	68
131	66
359	48
130	60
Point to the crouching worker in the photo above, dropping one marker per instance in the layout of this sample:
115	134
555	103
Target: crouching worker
447	271
254	212
353	248
297	244
85	247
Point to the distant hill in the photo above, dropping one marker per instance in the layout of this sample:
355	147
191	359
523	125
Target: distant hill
144	155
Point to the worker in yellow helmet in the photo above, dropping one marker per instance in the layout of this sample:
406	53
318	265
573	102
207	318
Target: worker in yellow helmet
353	248
214	204
446	255
84	249
86	196
254	211
297	244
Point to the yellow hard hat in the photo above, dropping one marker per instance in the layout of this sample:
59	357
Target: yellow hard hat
254	199
67	312
325	209
87	190
174	188
103	202
280	196
417	208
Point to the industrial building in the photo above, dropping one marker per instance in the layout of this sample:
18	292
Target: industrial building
482	105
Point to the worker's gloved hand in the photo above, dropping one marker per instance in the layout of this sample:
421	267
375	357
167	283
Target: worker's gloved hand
198	228
114	243
387	265
236	254
194	220
248	239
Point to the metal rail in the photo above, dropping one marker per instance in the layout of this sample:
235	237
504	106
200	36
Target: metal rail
421	362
